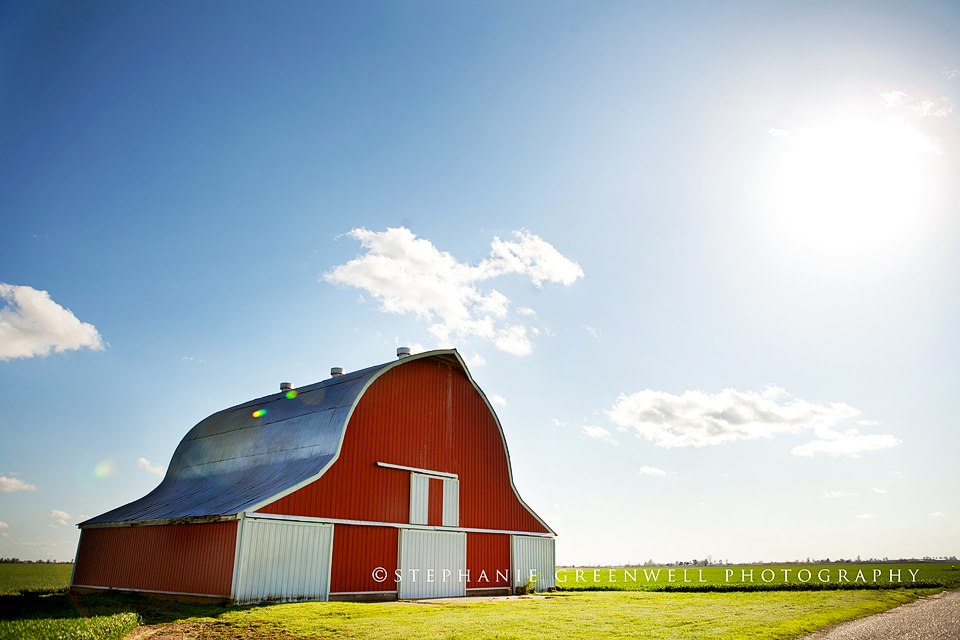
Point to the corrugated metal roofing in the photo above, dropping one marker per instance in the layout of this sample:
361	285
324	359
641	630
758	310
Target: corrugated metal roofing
231	460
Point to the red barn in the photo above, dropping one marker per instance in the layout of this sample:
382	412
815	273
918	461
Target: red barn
393	481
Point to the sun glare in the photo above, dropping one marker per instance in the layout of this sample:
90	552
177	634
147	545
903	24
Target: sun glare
852	191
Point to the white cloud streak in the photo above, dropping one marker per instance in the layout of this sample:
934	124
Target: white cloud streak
476	360
150	467
921	108
832	495
60	518
700	419
655	472
500	401
32	324
3	529
598	433
408	275
9	484
849	443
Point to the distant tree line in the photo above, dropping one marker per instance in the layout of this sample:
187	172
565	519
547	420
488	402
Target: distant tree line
19	561
710	562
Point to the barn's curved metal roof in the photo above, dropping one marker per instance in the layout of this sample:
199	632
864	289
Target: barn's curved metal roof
232	460
239	459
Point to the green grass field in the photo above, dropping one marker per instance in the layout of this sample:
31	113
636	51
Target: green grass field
761	577
17	577
649	614
33	604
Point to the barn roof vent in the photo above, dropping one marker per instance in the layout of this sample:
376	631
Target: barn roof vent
286	386
336	371
403	352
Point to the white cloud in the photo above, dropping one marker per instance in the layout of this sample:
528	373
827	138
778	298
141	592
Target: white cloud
595	333
60	518
939	108
938	514
500	401
514	340
920	108
950	74
557	423
831	495
698	419
865	516
150	467
192	359
656	472
849	443
893	98
409	275
9	484
878	490
598	433
31	324
476	360
526	311
3	529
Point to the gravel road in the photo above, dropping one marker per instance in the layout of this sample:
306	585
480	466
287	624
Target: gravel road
933	618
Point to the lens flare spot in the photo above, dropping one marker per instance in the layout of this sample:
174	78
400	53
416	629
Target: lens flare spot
103	469
291	394
259	413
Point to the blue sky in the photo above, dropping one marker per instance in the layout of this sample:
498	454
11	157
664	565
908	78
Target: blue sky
704	259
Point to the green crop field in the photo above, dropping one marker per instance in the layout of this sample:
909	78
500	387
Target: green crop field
760	577
17	577
638	613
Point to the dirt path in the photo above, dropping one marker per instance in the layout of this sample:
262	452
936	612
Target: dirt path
933	618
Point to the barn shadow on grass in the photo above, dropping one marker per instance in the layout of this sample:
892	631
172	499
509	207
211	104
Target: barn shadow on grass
60	604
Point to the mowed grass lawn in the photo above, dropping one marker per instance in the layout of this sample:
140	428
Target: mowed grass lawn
589	615
582	614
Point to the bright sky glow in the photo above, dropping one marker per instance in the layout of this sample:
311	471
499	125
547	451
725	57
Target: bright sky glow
853	190
704	260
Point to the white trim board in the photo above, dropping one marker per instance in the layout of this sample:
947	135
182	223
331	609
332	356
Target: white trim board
425	472
395	525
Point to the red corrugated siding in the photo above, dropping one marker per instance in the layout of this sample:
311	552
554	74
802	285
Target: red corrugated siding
435	505
423	414
184	558
357	551
488	553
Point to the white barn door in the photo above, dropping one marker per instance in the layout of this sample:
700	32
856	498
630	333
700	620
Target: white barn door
282	561
533	554
433	564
